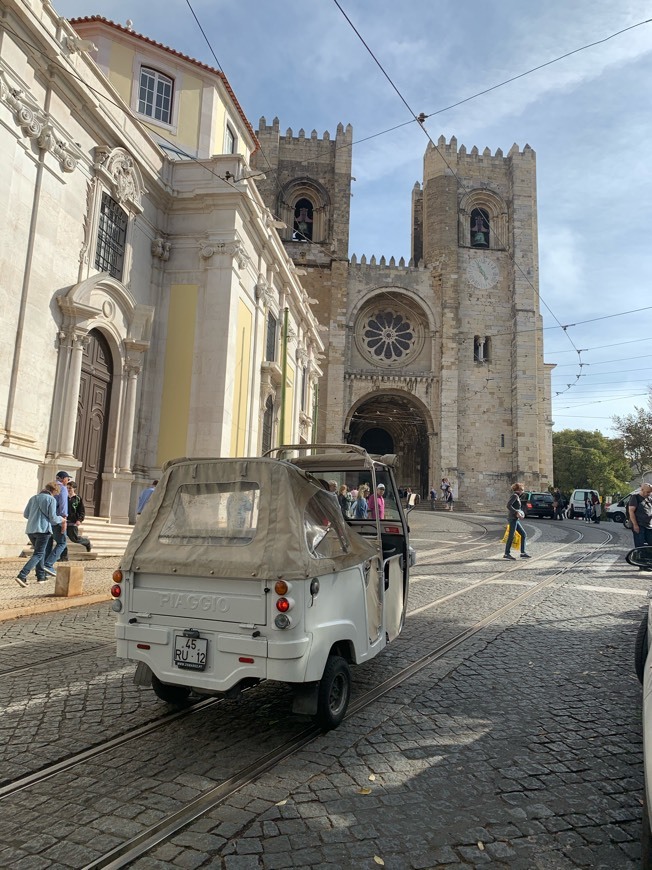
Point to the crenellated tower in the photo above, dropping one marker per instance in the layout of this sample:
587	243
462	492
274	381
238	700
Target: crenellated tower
439	360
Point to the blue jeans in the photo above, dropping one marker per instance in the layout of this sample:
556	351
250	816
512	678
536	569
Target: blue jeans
40	542
515	526
53	553
643	537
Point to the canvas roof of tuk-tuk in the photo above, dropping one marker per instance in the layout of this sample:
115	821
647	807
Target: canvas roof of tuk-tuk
345	457
278	547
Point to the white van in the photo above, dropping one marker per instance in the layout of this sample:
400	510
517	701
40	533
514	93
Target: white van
577	499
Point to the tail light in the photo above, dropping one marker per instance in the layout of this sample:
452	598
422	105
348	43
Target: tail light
116	591
283	604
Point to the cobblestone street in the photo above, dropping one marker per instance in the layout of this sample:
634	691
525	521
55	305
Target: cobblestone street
519	748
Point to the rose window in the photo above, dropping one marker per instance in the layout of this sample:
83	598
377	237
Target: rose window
388	335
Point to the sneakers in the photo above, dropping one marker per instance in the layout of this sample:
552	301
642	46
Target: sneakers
41	579
525	556
50	571
21	581
509	556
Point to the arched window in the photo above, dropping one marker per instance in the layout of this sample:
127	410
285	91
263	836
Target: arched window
479	226
303	221
268	421
482	348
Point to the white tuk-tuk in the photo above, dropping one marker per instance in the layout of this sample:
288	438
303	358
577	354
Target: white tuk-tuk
242	570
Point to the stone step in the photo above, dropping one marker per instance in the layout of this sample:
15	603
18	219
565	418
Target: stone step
107	538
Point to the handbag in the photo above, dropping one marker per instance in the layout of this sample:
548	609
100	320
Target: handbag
516	542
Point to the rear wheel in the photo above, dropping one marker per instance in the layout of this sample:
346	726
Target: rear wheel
618	518
177	695
334	693
641	649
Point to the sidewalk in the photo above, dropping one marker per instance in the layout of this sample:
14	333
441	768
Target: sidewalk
39	597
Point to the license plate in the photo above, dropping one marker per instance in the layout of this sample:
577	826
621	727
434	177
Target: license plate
190	652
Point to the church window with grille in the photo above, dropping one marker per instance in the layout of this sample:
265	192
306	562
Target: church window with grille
479	228
111	235
268	421
270	340
155	95
303	221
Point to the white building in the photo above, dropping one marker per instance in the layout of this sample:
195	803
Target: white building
150	308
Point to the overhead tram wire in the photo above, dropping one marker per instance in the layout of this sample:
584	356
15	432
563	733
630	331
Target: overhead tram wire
483	92
420	119
174	147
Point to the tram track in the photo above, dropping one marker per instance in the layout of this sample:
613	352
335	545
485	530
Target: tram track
68	655
170	824
148	728
167	827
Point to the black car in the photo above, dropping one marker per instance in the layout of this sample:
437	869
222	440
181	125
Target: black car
538	504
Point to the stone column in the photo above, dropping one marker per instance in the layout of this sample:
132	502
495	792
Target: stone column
78	341
131	371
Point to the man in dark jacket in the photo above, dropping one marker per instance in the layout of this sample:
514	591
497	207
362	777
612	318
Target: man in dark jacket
76	516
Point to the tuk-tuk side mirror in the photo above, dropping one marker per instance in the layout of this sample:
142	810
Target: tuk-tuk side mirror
641	557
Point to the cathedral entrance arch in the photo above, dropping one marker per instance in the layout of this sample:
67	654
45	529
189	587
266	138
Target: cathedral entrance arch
395	423
93	407
377	441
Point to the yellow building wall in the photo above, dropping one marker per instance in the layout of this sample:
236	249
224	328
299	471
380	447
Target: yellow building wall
289	406
177	372
121	70
241	380
189	113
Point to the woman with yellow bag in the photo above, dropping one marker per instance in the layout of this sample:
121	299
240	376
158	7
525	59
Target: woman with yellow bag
514	517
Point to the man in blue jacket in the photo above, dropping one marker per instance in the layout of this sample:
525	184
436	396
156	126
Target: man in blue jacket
41	516
58	542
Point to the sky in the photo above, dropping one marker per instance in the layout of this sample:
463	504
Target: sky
587	117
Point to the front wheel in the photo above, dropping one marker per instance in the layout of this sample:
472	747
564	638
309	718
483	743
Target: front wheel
176	695
334	693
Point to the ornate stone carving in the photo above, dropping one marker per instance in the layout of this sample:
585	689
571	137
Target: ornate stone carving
35	125
88	220
224	249
119	169
161	249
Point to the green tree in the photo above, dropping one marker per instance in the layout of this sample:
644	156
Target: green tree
589	459
636	433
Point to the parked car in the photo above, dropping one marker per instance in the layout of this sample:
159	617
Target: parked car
641	557
618	510
538	504
577	499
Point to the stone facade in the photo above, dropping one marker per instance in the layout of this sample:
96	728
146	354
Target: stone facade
151	308
439	360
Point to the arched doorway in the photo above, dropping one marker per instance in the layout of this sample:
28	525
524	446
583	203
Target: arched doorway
377	441
392	423
93	418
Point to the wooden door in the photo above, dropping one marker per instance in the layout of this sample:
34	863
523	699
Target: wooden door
93	419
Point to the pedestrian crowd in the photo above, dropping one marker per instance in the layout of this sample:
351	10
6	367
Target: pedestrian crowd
54	516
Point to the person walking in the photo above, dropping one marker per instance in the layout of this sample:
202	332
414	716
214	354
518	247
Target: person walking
447	489
145	496
376	503
58	543
360	509
588	508
343	500
514	517
640	514
558	503
41	515
76	516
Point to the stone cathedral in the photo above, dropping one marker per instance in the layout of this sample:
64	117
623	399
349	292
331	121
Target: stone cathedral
440	359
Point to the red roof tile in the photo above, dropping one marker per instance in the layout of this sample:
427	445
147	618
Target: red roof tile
216	72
